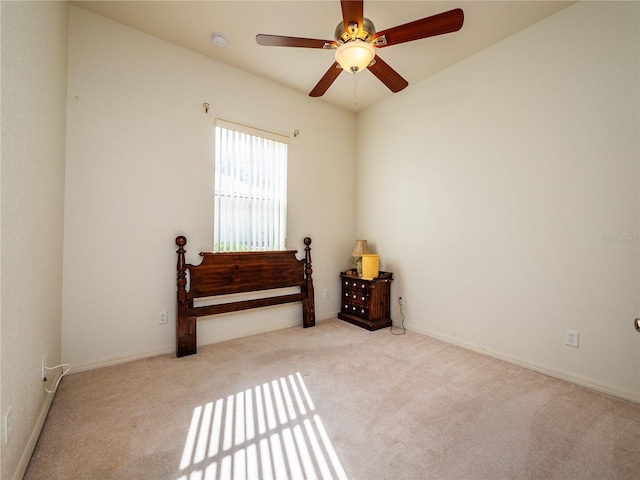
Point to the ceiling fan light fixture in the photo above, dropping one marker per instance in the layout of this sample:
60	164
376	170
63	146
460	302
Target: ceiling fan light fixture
355	56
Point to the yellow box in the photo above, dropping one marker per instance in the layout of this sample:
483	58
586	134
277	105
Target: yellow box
370	266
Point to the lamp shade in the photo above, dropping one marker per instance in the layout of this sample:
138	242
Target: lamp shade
361	247
370	266
355	55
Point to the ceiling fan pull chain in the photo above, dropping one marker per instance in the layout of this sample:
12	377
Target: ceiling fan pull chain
355	92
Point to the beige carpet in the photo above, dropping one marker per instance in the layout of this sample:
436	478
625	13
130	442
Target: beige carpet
333	401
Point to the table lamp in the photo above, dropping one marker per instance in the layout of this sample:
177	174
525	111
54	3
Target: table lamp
360	249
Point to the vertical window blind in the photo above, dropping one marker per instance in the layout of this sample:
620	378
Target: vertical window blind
250	189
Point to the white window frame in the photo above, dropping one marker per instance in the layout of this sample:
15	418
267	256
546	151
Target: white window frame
249	215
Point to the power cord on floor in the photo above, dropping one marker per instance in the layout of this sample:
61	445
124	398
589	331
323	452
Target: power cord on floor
64	372
404	330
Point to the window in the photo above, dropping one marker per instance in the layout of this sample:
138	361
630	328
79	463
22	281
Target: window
250	189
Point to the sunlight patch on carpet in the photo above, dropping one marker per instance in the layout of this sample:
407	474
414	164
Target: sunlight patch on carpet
268	432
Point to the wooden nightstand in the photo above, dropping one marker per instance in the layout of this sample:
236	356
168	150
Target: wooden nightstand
366	303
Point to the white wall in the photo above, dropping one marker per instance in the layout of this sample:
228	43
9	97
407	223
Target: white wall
140	172
503	194
34	56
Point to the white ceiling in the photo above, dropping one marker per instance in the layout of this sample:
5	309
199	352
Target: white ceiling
191	23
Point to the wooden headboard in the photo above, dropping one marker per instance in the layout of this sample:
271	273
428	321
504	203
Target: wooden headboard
239	272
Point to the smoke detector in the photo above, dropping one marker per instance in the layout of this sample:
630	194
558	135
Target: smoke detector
219	40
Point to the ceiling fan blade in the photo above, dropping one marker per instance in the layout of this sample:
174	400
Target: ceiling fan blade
439	24
327	79
282	41
352	12
387	75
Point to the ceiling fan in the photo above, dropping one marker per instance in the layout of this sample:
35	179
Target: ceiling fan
356	40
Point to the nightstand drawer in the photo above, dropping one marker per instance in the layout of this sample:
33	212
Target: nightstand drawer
356	285
358	310
356	297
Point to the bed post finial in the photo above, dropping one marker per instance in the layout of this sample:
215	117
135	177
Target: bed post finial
308	304
307	257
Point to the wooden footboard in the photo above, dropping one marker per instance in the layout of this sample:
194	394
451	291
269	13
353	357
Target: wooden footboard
239	272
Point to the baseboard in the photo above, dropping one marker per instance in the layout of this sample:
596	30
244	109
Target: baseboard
110	362
202	340
33	438
559	374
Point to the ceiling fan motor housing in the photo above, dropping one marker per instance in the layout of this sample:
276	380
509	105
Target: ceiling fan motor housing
364	34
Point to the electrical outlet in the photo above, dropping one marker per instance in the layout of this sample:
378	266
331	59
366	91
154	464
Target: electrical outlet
44	369
571	338
327	293
6	430
162	318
